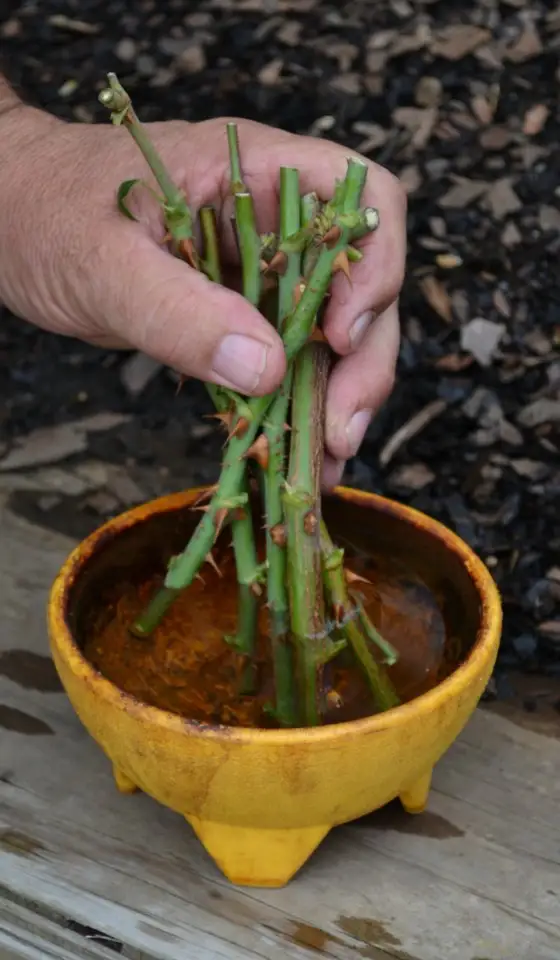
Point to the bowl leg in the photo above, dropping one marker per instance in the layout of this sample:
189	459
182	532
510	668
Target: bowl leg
252	857
415	798
123	782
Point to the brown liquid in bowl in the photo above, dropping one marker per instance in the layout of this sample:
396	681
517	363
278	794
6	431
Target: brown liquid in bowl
186	666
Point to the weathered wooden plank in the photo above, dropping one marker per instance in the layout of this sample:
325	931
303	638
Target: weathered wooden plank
27	935
478	876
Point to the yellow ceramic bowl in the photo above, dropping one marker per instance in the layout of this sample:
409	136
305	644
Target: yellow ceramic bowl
262	800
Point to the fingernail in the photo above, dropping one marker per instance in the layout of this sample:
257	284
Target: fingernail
360	327
356	429
241	361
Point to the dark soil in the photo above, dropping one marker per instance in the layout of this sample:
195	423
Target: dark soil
458	100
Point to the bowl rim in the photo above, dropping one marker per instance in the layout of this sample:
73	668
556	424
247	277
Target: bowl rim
483	650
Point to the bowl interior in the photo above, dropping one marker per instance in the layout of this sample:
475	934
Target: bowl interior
132	552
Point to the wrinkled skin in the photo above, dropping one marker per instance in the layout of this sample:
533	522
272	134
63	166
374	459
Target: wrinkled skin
70	263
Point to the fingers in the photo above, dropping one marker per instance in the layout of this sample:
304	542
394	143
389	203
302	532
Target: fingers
360	384
177	316
332	472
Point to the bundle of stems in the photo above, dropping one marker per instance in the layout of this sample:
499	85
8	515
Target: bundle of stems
314	614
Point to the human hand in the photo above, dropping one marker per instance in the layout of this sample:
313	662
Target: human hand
71	264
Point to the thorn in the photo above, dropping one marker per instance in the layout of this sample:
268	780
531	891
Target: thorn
239	429
352	577
182	380
287	428
188	252
317	336
256	589
263	266
340	263
332	236
338	611
201	509
220	518
224	418
310	523
278	535
206	494
299	290
259	451
165	240
209	558
279	263
197	576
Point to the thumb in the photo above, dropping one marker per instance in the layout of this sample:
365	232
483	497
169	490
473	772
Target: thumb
201	329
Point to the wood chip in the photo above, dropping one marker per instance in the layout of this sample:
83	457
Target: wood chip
495	138
269	75
409	429
454	362
428	92
448	261
458	40
437	296
483	109
528	45
419	121
501	303
540	411
535	119
481	338
550	628
511	236
502	199
63	22
464	193
137	371
412	476
411	178
549	219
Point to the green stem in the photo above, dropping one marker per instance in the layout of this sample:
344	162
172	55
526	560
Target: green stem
351	619
249	247
275	432
248	577
236	176
178	216
211	261
298	328
302	507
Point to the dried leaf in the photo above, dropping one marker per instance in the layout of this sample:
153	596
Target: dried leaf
437	296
